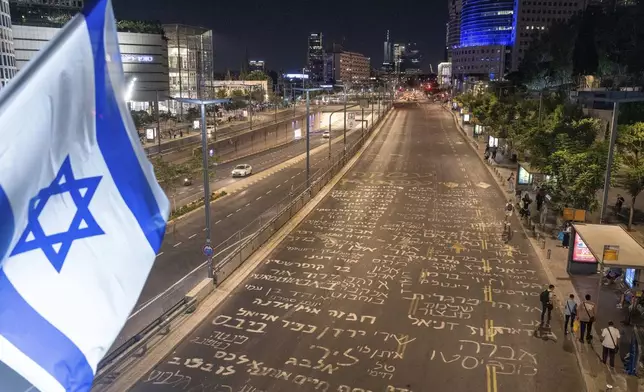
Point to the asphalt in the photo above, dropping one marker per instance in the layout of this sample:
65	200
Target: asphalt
398	281
181	252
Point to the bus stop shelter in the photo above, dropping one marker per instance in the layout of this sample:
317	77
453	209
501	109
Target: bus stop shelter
594	247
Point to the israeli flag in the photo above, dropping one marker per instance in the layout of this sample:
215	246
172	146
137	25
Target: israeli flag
81	214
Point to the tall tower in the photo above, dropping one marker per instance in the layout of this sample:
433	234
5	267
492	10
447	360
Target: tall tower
387	50
315	58
7	55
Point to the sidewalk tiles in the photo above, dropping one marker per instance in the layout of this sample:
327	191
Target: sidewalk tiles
553	257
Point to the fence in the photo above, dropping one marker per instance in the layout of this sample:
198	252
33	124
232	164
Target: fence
145	322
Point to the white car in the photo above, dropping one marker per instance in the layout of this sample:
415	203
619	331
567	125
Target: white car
242	171
326	134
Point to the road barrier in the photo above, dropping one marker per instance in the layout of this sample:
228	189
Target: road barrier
231	254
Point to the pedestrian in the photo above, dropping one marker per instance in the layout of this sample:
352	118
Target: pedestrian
586	316
565	240
511	182
494	151
180	133
610	344
541	197
570	313
547	299
618	204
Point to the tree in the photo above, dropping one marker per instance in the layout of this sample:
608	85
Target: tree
630	144
237	93
221	93
192	114
257	75
141	118
165	173
228	75
258	94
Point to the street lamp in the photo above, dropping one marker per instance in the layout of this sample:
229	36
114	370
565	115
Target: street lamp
204	154
308	130
330	86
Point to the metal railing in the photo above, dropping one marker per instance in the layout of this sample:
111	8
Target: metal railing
154	317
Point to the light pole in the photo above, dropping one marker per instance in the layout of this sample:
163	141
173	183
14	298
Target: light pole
204	154
308	131
636	97
345	129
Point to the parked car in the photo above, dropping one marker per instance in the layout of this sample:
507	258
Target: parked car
326	134
242	170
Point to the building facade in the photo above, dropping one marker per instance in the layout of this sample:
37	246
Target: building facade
61	4
256	65
533	18
387	58
144	57
315	58
453	35
7	56
342	66
444	75
190	63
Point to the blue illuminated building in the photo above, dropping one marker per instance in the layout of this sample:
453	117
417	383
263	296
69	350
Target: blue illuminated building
486	22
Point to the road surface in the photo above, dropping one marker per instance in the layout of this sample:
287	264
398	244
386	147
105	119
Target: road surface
181	251
397	281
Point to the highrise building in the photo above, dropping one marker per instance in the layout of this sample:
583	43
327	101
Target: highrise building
256	65
398	57
7	56
453	35
411	59
344	67
315	58
387	59
532	18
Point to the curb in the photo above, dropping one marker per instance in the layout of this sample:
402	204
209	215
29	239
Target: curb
589	384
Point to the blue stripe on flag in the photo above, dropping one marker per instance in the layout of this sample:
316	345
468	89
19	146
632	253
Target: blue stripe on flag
26	329
113	140
6	224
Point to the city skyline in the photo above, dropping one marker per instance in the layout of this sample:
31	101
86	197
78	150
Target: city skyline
279	34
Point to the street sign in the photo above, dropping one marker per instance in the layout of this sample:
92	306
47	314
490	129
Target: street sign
208	250
611	253
352	120
571	214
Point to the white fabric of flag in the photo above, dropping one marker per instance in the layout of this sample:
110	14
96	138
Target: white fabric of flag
81	214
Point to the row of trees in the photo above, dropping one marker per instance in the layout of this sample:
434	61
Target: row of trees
557	139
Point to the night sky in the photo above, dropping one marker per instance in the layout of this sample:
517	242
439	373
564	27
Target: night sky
276	31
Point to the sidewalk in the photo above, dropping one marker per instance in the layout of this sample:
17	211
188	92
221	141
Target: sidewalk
553	258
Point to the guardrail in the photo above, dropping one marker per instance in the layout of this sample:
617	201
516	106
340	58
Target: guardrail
231	254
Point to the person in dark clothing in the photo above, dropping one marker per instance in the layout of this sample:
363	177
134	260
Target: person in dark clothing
565	241
541	197
547	299
586	317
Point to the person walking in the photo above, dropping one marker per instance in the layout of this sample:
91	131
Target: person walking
570	313
565	240
586	316
547	299
610	344
511	182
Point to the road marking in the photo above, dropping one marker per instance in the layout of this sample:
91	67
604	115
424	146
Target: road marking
292	177
216	222
258	198
239	209
229	215
247	205
177	244
204	229
490	375
278	186
269	192
159	254
487	293
192	236
413	305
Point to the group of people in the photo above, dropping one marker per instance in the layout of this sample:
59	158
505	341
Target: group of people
584	313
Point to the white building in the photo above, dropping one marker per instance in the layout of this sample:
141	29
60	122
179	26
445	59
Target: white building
445	75
144	57
7	57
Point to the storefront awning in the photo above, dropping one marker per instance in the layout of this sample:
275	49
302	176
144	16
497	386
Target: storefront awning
631	253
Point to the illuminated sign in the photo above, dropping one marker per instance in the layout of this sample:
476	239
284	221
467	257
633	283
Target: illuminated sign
525	178
580	252
136	58
297	76
629	277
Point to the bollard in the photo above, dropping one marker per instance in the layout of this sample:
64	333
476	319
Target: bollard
543	243
549	253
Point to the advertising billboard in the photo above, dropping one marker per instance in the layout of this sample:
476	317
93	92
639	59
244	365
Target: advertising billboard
629	277
580	252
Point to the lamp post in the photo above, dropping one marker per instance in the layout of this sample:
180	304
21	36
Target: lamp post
204	154
308	131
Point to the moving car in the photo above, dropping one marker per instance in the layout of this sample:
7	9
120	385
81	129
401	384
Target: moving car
242	170
187	181
326	134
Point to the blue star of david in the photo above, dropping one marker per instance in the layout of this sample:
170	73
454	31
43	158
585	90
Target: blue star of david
83	225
